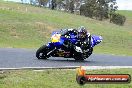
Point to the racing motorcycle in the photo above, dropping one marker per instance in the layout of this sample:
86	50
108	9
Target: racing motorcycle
64	45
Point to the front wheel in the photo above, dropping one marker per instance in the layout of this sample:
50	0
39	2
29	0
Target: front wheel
42	52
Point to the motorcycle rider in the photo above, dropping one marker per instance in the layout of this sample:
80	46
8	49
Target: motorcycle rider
83	37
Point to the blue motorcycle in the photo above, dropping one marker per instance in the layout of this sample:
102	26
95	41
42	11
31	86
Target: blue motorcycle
64	45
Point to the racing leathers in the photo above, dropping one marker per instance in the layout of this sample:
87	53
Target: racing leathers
83	43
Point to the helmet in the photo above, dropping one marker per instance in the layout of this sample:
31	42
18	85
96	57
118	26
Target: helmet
82	32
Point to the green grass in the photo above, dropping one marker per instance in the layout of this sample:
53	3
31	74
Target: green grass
55	79
25	26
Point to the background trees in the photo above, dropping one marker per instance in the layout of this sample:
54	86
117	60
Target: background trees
96	9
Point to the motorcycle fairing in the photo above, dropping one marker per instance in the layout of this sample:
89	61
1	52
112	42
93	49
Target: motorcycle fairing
95	40
57	40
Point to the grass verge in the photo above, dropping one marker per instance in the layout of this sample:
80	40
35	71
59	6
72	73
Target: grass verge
55	79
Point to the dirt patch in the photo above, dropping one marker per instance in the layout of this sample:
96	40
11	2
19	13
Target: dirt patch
14	33
44	28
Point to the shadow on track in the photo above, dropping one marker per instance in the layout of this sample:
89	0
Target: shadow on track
69	60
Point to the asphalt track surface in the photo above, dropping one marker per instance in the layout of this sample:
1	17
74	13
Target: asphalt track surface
17	58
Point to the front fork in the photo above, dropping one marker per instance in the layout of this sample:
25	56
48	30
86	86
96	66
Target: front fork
51	51
52	47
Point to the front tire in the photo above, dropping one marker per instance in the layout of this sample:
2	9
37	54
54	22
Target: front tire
41	53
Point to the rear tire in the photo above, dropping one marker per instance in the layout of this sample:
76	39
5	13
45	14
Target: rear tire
79	57
41	53
90	52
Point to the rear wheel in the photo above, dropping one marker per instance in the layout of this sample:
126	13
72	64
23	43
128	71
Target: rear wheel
79	57
90	52
42	52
